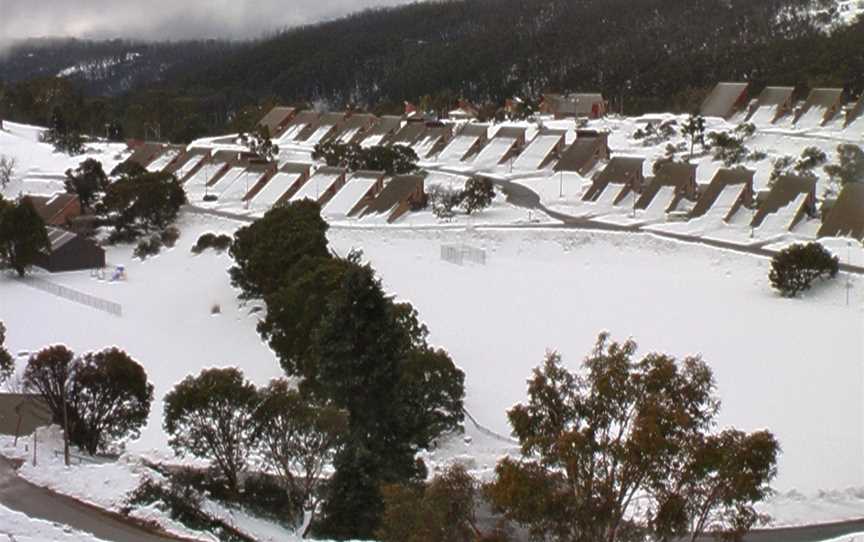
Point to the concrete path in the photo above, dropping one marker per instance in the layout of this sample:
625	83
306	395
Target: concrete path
40	503
522	196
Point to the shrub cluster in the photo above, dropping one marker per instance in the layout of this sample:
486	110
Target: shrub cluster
183	503
476	196
730	149
810	159
794	269
219	243
656	133
149	246
392	159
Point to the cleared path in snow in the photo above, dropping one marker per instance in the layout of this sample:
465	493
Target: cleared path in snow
525	197
40	503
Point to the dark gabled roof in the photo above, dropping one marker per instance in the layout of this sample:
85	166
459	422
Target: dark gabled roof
828	99
367	174
409	134
394	192
307	120
386	125
295	167
330	170
676	174
30	409
846	217
146	153
771	96
305	117
619	170
184	159
48	207
783	192
723	100
331	119
579	153
512	132
276	117
476	130
58	238
723	178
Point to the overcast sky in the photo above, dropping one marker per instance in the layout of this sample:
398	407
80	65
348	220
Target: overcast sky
166	19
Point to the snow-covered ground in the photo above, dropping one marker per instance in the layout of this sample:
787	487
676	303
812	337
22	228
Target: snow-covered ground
40	170
107	484
792	366
20	528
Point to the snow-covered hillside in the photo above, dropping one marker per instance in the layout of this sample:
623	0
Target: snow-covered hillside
792	366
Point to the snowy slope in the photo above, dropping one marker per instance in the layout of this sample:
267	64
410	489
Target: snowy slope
536	152
493	152
273	190
40	170
456	150
348	196
317	185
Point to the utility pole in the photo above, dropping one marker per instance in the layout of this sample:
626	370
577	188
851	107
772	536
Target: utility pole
848	273
65	428
561	184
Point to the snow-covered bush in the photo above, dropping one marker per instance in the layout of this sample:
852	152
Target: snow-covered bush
444	201
169	236
7	364
810	159
183	503
149	246
478	194
794	269
7	170
849	167
655	134
220	243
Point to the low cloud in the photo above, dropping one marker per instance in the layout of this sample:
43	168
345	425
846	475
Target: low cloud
166	19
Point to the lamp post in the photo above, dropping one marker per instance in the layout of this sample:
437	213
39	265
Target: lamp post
848	273
561	184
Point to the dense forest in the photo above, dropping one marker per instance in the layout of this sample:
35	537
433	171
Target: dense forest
644	55
111	67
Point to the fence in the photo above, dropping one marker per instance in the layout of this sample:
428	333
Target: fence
74	295
460	254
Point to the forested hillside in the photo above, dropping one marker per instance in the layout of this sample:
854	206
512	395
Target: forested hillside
644	55
650	52
107	68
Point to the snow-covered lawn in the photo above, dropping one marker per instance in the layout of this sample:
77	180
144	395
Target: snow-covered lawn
39	170
793	366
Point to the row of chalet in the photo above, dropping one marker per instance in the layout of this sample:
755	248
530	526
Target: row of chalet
239	179
468	144
773	104
674	190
